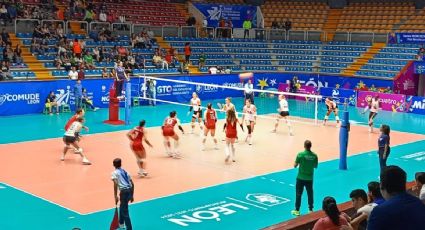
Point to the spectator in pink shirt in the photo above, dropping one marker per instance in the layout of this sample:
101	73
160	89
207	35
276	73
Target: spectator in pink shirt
334	220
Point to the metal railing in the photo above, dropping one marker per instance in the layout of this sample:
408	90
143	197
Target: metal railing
25	25
83	25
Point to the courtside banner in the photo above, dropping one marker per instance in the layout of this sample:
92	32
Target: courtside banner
415	105
213	13
389	102
30	97
410	37
340	96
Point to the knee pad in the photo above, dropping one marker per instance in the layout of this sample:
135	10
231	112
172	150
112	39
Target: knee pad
337	118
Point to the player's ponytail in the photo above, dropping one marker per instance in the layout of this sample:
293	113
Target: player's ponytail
331	209
142	123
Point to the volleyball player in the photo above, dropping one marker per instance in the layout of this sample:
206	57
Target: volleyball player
168	133
331	107
210	122
195	105
250	117
374	108
79	113
283	113
136	136
230	128
226	107
70	138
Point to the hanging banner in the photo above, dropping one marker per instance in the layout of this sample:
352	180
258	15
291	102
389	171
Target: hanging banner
415	105
340	96
303	89
410	37
238	14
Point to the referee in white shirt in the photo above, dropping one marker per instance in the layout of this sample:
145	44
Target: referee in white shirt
122	181
249	94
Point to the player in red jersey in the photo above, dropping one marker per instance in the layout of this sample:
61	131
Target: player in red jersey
230	128
168	133
210	119
136	137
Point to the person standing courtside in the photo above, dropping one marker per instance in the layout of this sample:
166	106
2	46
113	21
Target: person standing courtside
248	91
122	181
307	162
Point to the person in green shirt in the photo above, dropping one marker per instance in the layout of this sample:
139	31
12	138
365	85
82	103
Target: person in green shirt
88	60
247	25
202	60
306	162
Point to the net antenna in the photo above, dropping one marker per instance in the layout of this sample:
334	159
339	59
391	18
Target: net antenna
307	97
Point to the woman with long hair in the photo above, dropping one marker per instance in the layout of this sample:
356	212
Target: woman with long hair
137	136
231	134
334	220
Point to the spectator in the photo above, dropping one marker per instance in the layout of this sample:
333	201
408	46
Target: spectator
247	25
4	16
151	36
96	54
52	102
102	16
202	60
4	71
77	48
123	183
400	211
213	70
86	100
275	24
307	162
187	52
78	94
105	73
88	61
122	52
360	201
229	29
420	185
159	62
374	194
191	21
73	74
17	58
4	35
112	73
334	218
384	146
12	11
81	74
150	88
288	25
60	32
221	28
66	62
421	53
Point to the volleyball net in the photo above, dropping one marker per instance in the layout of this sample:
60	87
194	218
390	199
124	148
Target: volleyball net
176	93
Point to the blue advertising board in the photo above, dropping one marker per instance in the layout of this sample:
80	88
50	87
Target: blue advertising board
415	105
410	37
340	95
419	67
238	14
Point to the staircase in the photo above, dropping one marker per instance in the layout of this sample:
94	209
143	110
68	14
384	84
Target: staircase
33	64
74	26
363	59
183	9
332	23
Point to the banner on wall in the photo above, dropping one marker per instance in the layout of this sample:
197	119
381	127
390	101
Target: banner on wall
310	90
407	82
340	96
389	102
213	13
410	37
415	105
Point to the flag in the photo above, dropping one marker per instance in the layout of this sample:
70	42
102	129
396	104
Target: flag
115	224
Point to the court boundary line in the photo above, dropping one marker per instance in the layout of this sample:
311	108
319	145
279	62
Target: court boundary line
42	198
239	180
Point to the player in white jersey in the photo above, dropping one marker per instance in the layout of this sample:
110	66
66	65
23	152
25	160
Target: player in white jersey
283	113
228	105
331	107
70	138
374	108
250	117
195	105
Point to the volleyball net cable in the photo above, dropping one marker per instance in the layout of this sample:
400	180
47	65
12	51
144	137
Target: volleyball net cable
303	108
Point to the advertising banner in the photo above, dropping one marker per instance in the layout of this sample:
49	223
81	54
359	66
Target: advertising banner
415	105
310	90
410	37
238	14
407	82
389	102
340	96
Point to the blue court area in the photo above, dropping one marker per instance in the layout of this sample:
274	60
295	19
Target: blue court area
251	203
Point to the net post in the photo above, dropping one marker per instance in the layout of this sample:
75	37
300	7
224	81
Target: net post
343	139
127	102
316	110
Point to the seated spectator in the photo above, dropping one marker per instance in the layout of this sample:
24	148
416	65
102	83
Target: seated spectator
213	70
51	102
112	74
45	32
159	62
81	74
132	61
66	61
275	25
17	57
94	34
4	35
4	71
400	211
77	49
96	54
60	32
334	219
421	53
58	62
419	188
288	25
374	195
73	74
13	14
202	60
102	16
86	100
88	61
151	36
4	16
359	200
122	52
105	73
